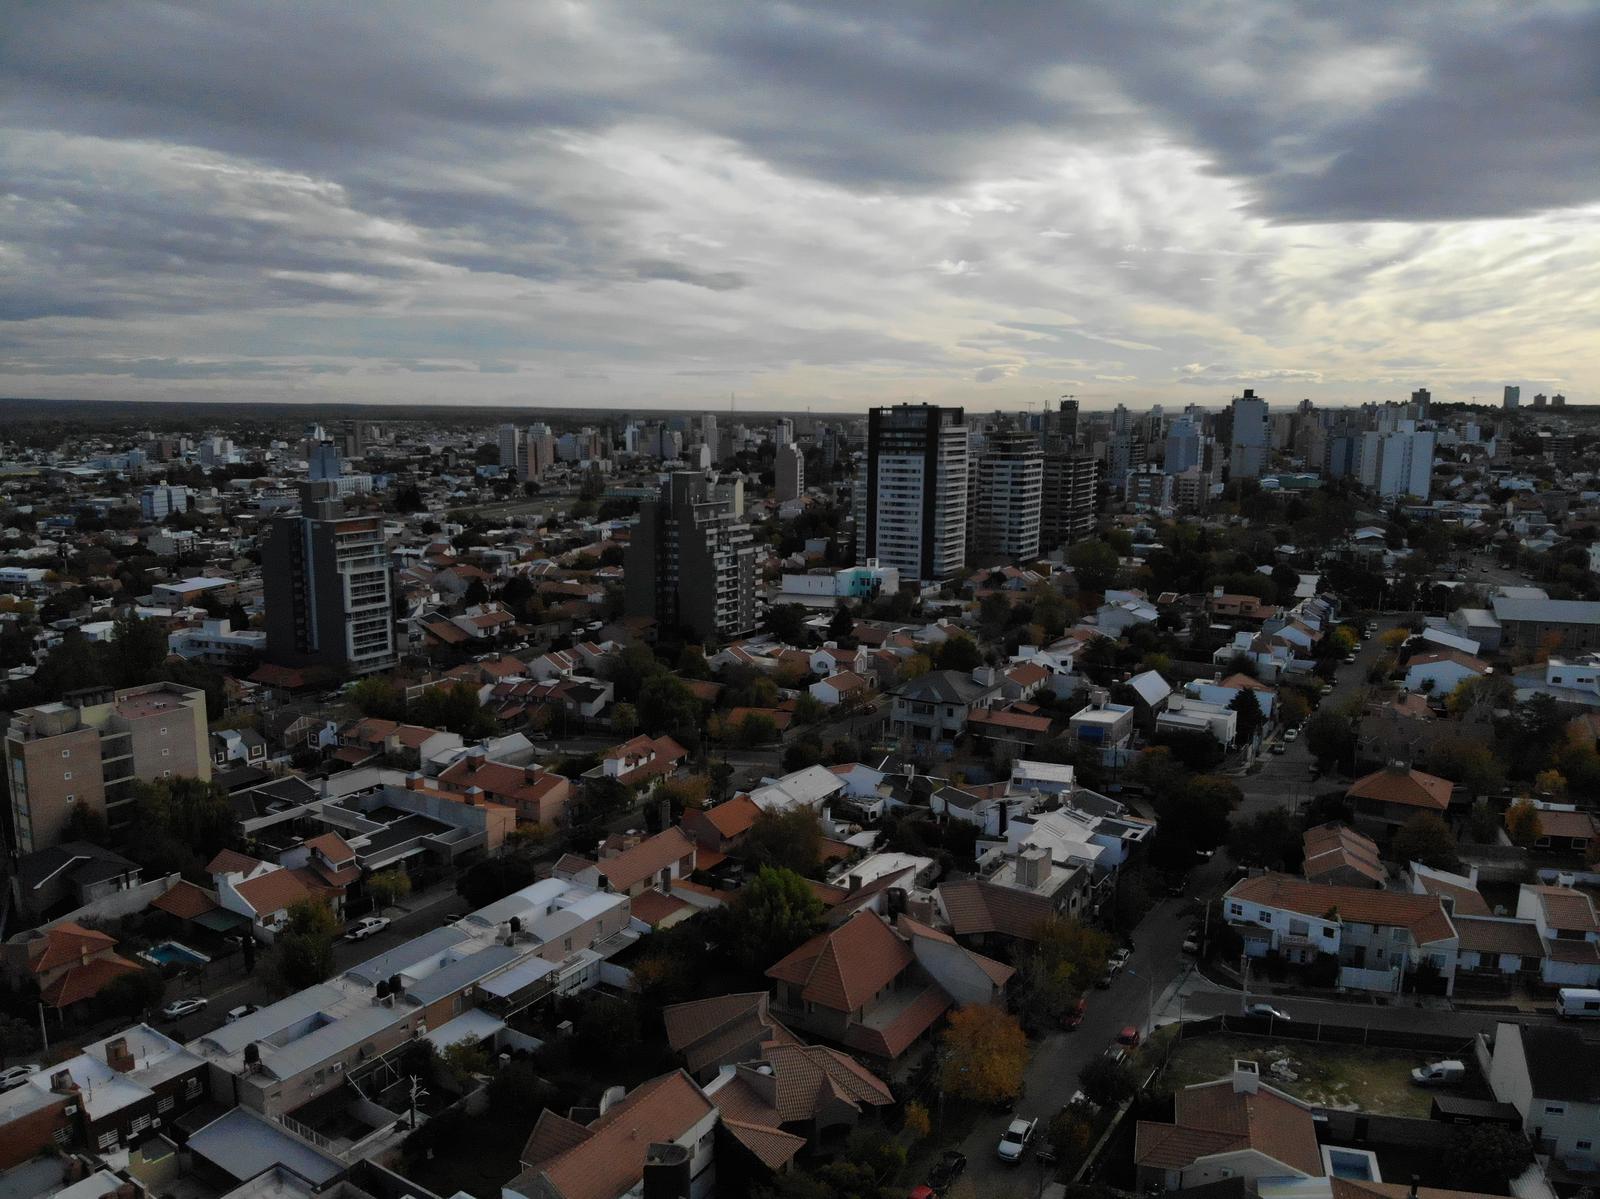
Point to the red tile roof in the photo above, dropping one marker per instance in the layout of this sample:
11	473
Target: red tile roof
67	943
843	969
1423	915
975	907
232	862
1334	846
648	858
274	891
1409	788
185	900
86	981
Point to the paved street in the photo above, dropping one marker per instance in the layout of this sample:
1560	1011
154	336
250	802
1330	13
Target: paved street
1284	780
1356	1014
1052	1076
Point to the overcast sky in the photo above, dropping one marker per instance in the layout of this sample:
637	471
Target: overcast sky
667	204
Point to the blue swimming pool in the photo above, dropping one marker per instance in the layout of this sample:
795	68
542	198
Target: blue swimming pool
174	953
1346	1163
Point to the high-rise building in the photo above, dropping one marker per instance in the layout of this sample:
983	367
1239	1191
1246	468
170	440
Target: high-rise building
1061	427
88	750
708	435
1558	400
161	501
1070	481
790	473
1398	463
1247	451
1513	397
1420	399
326	462
328	587
1010	492
1540	400
1183	446
1191	490
692	563
782	431
916	490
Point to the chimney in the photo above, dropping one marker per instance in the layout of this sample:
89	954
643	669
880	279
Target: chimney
855	882
117	1055
531	774
475	758
414	781
474	796
61	1083
1246	1077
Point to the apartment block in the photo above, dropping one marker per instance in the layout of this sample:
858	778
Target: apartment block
914	506
90	750
1010	491
692	562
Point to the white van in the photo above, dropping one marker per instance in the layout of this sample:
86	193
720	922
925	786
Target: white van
1439	1073
1578	1003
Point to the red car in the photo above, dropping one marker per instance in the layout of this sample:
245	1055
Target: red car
1128	1037
1075	1017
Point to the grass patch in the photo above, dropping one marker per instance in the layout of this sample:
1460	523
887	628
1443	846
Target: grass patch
1334	1076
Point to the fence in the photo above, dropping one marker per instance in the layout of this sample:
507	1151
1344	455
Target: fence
1358	979
1330	1034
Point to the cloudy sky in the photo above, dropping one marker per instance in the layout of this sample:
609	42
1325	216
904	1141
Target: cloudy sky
667	204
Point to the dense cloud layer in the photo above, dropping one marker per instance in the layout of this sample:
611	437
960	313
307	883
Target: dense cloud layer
804	205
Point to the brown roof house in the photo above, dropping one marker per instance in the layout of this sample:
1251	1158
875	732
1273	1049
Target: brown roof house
1570	931
538	795
722	828
1387	798
877	988
1234	1128
665	1126
264	891
69	964
1378	936
630	865
1335	853
641	762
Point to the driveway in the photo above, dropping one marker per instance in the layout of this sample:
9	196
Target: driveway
1284	780
1052	1074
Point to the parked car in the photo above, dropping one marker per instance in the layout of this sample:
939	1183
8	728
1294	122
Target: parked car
1191	944
1278	747
1128	1037
1075	1016
179	1008
1115	1054
1291	734
1439	1073
366	927
1266	1009
1014	1140
13	1077
240	1012
951	1165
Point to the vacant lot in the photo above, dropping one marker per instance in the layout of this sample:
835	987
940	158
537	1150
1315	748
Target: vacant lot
1333	1076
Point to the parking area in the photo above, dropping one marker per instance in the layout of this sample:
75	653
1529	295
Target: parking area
1349	1077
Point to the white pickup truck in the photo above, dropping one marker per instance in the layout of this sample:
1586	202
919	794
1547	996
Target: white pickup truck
1015	1139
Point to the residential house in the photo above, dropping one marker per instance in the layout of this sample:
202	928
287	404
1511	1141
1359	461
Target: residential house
722	1031
1498	948
641	762
1378	936
876	989
1552	1077
1234	1128
934	707
1222	605
1565	828
1388	798
1180	714
666	1125
630	865
1546	624
1457	892
538	795
1439	672
264	891
1102	723
66	877
721	828
68	963
811	787
1151	693
1335	853
846	687
1569	930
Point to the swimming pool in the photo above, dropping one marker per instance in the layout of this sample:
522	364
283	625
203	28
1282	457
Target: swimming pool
1351	1163
173	953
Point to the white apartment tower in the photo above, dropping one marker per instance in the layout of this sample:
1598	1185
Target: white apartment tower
916	490
1247	451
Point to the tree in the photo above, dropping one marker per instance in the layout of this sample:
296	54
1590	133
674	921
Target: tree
666	705
1487	1156
182	824
914	666
624	720
129	996
466	1058
378	696
1552	783
495	878
388	887
772	914
1470	763
304	948
986	1053
1094	564
917	1122
1107	1083
958	653
1071	1133
1522	823
787	622
789	839
841	626
1427	839
1331	736
1271	839
808	709
1251	716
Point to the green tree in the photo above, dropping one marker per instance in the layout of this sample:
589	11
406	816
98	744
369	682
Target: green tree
1486	1157
624	720
379	697
304	947
757	728
1094	564
129	996
1331	736
1471	763
958	653
1107	1083
388	887
666	705
182	823
772	914
808	709
1271	839
787	622
788	839
1427	839
466	1058
1251	717
135	652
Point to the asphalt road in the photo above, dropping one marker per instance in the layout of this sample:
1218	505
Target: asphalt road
1052	1074
1284	780
1396	1018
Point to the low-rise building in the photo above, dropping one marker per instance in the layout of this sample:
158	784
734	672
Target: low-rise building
934	707
1386	799
1552	1077
1569	930
1334	853
1439	672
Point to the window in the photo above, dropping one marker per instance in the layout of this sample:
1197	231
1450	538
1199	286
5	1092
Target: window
1235	909
166	1103
62	1136
163	731
1264	916
1555	1109
66	753
72	799
66	776
1583	1144
108	1140
191	1089
138	1124
166	774
166	753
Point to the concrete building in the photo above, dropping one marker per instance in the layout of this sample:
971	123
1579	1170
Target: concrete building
1399	463
1548	1075
1183	446
160	501
329	591
1069	482
513	446
915	503
790	471
1513	397
89	751
1563	626
1247	451
692	562
324	462
218	643
1010	489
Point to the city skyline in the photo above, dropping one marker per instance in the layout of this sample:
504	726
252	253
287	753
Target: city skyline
610	207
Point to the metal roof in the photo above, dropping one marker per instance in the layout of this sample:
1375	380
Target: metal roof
242	1144
1547	610
402	957
271	1020
462	972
